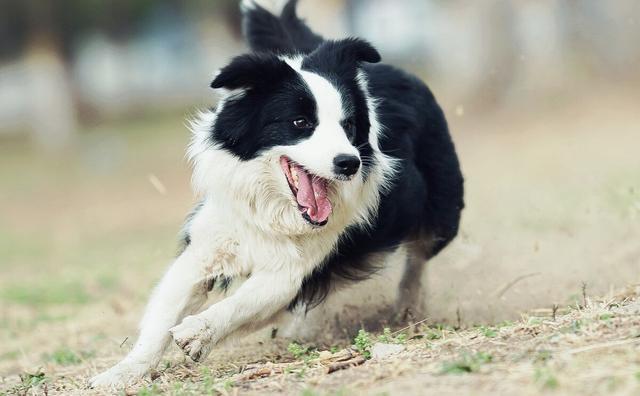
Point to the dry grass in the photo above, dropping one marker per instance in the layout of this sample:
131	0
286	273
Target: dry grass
590	349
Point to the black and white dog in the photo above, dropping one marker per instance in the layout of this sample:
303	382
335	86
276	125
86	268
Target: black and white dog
316	159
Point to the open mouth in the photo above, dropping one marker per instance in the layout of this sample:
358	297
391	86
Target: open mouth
309	190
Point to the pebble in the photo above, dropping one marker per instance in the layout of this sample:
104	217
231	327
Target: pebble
381	351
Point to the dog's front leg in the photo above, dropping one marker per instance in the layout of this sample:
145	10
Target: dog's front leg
256	301
182	290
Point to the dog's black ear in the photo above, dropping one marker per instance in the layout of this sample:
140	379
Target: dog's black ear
252	71
348	52
358	50
342	57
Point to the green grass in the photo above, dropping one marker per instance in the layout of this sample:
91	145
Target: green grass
65	357
533	321
228	384
363	343
300	352
388	337
11	355
436	331
54	292
543	356
606	316
575	327
467	363
488	332
28	324
73	277
207	380
314	392
205	384
432	334
545	378
152	390
28	382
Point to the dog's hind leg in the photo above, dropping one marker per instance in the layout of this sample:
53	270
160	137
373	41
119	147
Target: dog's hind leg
410	302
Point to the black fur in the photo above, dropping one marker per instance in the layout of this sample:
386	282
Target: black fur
283	34
426	195
225	282
426	198
184	237
262	117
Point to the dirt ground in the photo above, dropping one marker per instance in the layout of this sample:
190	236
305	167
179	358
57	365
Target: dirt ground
552	219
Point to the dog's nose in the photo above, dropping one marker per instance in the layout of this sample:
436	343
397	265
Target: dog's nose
346	164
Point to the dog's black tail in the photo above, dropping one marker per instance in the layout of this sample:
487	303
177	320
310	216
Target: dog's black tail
273	26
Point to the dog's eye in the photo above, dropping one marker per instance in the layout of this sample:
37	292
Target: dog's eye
302	123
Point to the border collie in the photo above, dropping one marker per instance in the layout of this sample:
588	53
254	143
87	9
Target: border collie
315	159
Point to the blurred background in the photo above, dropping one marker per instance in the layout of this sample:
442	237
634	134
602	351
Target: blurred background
542	99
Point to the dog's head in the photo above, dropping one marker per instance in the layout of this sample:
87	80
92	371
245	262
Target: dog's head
305	119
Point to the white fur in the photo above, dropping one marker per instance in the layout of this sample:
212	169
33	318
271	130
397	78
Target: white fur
249	223
273	6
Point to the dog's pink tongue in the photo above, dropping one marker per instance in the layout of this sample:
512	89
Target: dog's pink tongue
312	195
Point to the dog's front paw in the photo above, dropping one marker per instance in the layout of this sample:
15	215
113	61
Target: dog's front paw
121	375
194	337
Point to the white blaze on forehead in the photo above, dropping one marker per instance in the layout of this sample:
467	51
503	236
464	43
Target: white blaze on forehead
328	99
329	138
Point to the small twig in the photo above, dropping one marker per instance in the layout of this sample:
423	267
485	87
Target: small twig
346	355
604	345
125	340
510	284
584	294
458	318
411	325
554	311
608	304
263	372
358	360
